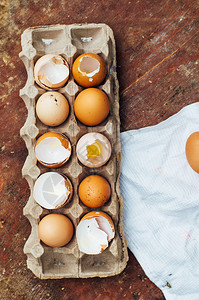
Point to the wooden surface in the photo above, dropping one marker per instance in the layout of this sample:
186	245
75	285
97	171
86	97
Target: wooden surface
157	51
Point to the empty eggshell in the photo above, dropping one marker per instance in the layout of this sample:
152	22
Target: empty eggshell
51	71
55	230
52	149
89	69
52	108
52	190
93	149
94	232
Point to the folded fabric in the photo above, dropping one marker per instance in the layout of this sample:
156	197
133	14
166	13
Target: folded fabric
161	203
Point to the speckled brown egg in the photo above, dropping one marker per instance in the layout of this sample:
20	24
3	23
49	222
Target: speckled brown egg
52	108
94	191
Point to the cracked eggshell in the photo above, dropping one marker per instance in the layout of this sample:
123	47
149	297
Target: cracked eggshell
89	70
53	149
89	139
52	190
94	232
51	71
52	108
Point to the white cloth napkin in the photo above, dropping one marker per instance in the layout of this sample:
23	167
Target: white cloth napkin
161	203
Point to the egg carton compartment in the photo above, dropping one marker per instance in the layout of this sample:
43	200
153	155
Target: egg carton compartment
67	261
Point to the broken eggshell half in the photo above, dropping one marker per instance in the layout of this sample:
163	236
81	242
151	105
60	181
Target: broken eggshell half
93	149
89	70
53	149
94	232
51	71
52	190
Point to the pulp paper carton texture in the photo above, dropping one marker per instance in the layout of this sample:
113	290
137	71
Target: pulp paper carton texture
71	41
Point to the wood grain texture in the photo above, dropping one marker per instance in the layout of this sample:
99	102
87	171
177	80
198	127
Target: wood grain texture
157	55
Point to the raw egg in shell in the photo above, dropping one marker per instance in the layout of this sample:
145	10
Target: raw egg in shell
94	232
55	230
91	106
52	108
52	190
53	149
89	70
94	191
93	149
51	71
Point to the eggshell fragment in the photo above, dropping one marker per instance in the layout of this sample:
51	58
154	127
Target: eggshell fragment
52	190
52	108
94	191
94	232
53	149
102	218
91	106
55	230
51	71
101	149
192	151
89	70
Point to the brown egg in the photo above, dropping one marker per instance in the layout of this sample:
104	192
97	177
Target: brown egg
53	149
192	151
94	191
55	230
52	108
91	106
89	70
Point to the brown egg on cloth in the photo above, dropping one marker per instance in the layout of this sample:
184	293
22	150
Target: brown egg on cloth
89	70
51	71
192	151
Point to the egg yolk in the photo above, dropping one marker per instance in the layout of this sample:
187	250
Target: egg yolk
94	150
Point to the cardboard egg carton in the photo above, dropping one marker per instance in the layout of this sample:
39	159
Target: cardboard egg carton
70	41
